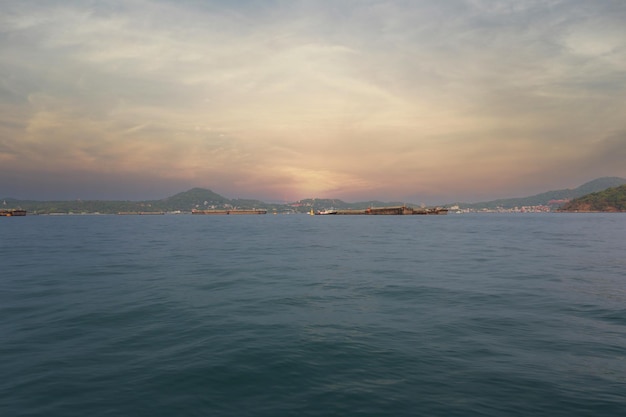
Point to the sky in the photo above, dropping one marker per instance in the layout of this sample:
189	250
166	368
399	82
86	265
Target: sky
418	101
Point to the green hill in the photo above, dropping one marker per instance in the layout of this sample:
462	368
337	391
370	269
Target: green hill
188	200
551	198
185	201
609	200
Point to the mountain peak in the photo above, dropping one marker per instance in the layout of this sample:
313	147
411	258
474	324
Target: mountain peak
601	184
196	196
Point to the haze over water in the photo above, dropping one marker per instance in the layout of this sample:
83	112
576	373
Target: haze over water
482	315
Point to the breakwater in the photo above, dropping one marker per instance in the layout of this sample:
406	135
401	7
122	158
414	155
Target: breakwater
228	212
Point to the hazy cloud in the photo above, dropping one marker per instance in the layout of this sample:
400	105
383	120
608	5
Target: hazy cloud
278	99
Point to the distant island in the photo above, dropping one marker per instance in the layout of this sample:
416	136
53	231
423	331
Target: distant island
550	200
196	199
611	200
596	195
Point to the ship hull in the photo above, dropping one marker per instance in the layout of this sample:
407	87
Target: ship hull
12	212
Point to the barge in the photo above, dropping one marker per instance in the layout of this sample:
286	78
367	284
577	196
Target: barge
12	212
395	211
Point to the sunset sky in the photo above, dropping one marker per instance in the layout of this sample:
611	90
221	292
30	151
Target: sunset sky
417	101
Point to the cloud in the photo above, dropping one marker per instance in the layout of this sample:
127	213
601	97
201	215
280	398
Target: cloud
607	154
300	99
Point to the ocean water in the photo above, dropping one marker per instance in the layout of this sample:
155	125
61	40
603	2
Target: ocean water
294	315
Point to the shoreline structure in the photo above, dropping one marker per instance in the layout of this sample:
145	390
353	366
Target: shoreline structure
394	211
228	212
371	211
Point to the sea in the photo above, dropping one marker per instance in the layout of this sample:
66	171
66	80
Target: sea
297	315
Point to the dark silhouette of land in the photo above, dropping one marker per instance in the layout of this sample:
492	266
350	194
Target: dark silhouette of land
203	199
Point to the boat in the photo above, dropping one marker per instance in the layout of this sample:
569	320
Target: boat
327	212
12	212
397	211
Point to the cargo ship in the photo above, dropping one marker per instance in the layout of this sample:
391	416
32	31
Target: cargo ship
395	211
12	212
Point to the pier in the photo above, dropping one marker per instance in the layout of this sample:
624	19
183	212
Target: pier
228	212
